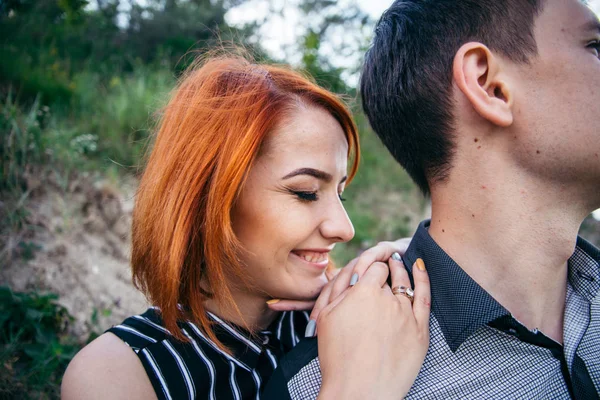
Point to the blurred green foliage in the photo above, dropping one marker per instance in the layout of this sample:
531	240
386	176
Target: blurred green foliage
21	138
35	348
45	43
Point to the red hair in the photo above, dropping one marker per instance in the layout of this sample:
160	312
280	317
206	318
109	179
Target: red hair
183	244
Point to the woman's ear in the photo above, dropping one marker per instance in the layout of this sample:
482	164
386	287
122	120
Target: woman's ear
478	75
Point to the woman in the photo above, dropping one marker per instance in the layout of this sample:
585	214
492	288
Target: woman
240	203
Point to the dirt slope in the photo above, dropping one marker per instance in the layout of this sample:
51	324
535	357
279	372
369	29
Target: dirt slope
76	244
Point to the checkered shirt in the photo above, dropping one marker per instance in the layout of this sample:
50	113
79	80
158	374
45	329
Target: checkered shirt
477	349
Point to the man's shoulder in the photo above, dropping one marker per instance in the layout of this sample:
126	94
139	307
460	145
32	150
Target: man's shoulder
289	366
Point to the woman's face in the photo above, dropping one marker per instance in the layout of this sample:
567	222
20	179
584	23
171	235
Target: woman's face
289	215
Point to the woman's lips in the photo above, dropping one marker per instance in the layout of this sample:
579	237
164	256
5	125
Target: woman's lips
317	258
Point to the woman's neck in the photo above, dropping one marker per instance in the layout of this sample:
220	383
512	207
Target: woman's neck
253	311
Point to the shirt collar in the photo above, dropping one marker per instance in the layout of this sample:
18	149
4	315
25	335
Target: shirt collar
584	270
458	303
461	306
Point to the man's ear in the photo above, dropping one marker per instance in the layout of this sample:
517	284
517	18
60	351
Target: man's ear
476	72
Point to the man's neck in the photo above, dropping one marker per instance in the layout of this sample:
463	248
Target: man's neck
513	242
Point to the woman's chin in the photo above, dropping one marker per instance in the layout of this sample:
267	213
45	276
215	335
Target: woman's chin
301	289
305	289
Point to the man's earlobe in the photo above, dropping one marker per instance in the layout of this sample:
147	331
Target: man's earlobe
478	75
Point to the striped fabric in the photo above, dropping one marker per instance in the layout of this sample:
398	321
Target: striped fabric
198	369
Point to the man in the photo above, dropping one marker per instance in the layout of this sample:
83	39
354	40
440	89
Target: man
491	107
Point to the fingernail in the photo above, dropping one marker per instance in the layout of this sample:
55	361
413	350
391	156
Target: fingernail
396	257
420	264
354	279
273	301
310	328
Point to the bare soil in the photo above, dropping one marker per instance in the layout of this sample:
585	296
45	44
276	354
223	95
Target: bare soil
76	244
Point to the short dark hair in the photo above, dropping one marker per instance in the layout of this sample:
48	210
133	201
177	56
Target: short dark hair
406	83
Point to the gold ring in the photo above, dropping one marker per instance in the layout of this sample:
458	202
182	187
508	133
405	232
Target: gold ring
404	291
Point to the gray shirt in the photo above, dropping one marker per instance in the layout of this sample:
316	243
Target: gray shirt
477	349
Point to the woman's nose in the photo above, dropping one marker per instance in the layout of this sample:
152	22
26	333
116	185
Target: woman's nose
336	224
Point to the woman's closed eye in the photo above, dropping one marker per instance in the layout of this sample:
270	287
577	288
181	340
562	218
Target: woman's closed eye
306	195
595	46
311	196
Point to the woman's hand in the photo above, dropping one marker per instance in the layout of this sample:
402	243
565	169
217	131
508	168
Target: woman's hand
372	343
339	281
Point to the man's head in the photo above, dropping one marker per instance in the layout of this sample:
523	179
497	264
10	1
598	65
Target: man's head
524	70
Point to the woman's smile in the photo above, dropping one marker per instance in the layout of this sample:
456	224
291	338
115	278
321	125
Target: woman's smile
318	258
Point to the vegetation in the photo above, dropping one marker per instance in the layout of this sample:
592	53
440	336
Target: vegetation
34	346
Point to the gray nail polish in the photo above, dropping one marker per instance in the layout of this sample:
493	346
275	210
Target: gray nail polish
396	257
354	279
310	328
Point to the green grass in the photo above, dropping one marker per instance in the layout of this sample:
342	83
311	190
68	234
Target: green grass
21	141
119	114
35	343
106	122
35	347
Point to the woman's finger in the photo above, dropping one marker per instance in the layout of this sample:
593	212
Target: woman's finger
331	272
291	305
376	275
400	278
356	329
326	301
402	245
328	307
322	301
422	304
342	280
360	264
381	252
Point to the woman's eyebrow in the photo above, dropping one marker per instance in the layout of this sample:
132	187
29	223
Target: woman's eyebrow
593	25
321	175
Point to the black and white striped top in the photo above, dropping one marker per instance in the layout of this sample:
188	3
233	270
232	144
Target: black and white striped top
198	369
